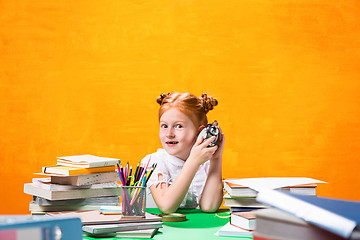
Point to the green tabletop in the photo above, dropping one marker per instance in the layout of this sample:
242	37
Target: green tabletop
198	225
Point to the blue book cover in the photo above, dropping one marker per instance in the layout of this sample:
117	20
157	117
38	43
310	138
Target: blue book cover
341	217
345	208
40	227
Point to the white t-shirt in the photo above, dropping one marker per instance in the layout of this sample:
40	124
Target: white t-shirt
170	166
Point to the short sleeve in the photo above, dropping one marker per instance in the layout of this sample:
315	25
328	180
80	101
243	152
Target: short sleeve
206	167
160	169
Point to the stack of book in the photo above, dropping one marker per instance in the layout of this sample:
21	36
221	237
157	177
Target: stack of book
101	224
298	217
241	224
241	198
76	183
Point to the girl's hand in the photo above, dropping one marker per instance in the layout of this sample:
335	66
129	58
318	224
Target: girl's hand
200	152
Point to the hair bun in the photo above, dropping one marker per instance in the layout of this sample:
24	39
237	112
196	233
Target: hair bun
161	98
207	102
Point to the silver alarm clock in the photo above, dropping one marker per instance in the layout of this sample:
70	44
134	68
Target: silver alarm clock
209	131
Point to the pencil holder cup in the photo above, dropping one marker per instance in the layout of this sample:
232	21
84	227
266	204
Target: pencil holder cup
133	201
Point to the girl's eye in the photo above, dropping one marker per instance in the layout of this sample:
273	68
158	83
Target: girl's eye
163	126
178	126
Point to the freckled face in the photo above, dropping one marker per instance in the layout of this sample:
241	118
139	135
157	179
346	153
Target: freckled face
177	133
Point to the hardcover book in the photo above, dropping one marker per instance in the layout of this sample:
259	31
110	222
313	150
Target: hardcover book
145	233
34	207
87	161
232	231
245	202
338	216
109	200
46	184
244	220
39	227
35	190
236	190
58	170
86	179
96	218
275	224
110	228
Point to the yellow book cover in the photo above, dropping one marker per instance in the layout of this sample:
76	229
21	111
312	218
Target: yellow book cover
71	171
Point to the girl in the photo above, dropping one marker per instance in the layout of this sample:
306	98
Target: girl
188	173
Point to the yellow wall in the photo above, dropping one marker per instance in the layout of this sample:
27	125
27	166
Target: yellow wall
82	77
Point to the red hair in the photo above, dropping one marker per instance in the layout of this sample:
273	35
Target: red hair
193	107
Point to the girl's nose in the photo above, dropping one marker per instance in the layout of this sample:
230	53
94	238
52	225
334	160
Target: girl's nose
170	133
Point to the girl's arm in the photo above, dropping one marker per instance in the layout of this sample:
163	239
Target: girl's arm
212	195
169	198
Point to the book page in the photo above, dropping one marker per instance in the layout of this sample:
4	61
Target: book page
87	158
272	182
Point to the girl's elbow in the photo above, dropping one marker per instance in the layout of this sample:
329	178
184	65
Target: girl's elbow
209	209
167	209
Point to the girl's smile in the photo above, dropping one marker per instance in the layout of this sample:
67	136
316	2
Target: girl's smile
171	143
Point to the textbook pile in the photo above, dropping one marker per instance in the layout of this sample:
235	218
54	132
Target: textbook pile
76	183
297	217
241	197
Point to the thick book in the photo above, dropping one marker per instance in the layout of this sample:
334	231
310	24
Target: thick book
272	182
86	179
35	190
106	201
244	209
96	218
87	161
111	228
246	202
145	233
46	184
34	207
275	224
244	220
39	227
236	190
58	170
338	216
232	231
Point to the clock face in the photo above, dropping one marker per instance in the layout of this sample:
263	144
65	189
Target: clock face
208	132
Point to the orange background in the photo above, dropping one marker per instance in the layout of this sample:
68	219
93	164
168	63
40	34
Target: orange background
81	77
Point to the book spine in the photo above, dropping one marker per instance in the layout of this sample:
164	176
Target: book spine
308	212
59	187
86	179
91	170
87	164
40	228
34	190
109	228
111	200
79	171
33	207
